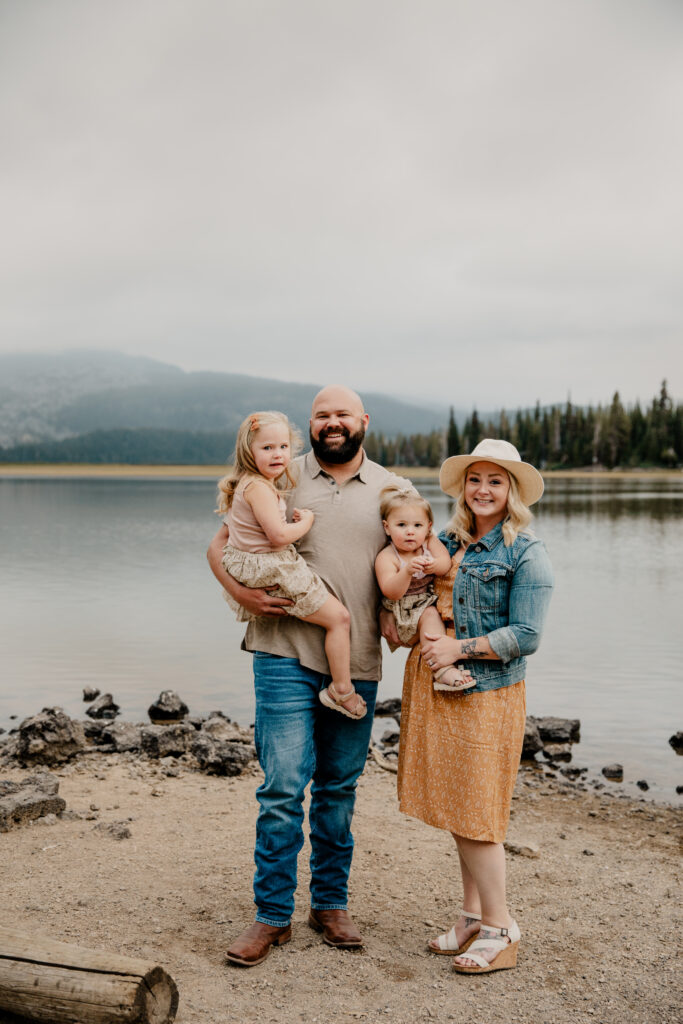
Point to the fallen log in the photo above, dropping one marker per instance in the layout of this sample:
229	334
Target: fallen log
55	982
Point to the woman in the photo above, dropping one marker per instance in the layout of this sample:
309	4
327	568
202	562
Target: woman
459	753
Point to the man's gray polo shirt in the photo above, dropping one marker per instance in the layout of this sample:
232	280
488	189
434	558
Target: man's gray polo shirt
341	546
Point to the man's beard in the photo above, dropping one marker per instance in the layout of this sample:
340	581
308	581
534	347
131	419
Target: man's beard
337	455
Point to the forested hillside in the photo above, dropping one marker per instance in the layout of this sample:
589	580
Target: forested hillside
552	437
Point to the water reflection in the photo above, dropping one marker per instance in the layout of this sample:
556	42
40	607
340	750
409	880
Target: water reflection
659	499
105	583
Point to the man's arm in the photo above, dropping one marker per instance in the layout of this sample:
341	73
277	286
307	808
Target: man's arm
255	600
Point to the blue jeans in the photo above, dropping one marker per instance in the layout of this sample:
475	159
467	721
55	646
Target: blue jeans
299	740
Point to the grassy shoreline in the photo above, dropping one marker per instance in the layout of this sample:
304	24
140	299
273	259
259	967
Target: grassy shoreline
79	470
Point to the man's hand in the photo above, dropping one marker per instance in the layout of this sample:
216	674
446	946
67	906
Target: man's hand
256	602
262	602
387	627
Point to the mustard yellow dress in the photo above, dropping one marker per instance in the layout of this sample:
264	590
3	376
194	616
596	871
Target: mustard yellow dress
459	753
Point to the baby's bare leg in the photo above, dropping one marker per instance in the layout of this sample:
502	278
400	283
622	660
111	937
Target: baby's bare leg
336	621
430	622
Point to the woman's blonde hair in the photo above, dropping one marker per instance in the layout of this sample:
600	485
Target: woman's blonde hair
243	460
461	524
394	495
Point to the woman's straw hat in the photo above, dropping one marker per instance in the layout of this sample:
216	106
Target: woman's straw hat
503	454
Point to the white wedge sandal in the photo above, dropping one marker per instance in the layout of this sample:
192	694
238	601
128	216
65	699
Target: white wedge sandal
447	944
505	940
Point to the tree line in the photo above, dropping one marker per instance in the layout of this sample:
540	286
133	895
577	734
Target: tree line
552	437
130	446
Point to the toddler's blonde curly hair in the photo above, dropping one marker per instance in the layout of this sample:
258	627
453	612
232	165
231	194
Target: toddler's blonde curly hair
243	460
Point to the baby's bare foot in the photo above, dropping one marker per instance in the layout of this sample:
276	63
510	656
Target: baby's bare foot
452	678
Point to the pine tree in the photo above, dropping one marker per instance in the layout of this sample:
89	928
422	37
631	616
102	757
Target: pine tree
452	435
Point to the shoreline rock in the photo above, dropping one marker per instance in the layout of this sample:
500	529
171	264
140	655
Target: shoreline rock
26	801
50	737
103	707
168	707
215	745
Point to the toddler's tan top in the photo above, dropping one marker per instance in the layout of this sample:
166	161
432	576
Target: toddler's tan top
246	533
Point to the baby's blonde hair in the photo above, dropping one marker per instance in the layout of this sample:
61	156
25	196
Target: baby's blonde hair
394	495
243	460
461	524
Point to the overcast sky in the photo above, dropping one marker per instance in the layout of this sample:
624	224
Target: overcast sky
474	201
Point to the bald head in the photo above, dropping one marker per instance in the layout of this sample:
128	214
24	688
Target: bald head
338	425
334	397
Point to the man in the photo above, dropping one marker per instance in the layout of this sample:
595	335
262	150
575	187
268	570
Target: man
297	739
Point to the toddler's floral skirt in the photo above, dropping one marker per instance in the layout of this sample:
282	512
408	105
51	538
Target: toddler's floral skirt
407	611
284	569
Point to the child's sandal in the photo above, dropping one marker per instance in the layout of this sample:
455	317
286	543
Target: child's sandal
447	944
334	700
451	679
504	940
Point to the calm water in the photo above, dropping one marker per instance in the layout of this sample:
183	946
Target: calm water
105	583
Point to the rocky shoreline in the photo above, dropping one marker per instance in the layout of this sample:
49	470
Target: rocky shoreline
152	857
174	740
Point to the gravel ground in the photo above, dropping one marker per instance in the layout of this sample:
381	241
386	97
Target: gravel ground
598	907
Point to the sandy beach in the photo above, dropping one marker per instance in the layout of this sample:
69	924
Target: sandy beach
599	906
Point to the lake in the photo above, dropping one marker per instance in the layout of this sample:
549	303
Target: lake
105	583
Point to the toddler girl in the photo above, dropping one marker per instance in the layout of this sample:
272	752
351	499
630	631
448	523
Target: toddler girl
405	571
260	551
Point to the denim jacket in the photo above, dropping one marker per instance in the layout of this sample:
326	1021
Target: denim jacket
503	594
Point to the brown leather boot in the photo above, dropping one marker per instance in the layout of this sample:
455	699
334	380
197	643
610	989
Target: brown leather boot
253	945
337	927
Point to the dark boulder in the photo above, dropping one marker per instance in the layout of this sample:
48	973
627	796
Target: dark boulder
50	737
572	772
167	740
33	797
558	730
557	751
103	707
122	736
167	708
219	728
532	740
390	737
388	708
676	742
614	771
221	757
89	693
93	730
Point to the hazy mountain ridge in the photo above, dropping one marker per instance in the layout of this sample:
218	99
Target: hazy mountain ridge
47	398
35	387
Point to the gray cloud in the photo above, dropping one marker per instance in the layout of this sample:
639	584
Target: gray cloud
475	202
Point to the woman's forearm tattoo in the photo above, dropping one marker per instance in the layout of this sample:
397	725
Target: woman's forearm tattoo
469	650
